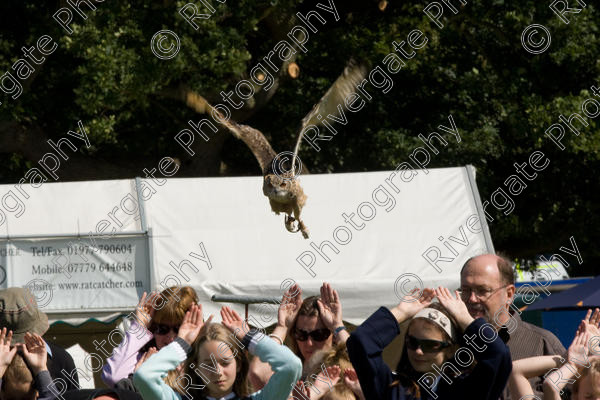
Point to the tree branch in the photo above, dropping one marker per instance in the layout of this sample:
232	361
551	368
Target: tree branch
31	142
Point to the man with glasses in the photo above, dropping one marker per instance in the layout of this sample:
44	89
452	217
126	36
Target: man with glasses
487	286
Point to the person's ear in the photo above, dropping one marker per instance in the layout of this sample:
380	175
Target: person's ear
510	291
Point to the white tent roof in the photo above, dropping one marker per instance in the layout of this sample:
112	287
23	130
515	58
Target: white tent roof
250	251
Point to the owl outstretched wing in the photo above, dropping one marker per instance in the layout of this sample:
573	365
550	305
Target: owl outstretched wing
344	85
254	139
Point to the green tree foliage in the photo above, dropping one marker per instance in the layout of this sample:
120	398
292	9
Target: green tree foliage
502	98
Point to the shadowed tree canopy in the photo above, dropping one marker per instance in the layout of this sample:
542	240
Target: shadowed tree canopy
501	97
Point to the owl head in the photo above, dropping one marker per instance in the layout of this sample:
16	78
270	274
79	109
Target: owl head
279	188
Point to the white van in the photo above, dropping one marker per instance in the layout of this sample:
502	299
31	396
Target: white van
528	271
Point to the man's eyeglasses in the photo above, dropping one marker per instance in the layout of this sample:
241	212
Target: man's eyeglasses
161	329
480	293
317	335
427	346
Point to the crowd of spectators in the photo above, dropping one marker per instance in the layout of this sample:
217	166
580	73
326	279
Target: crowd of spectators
463	344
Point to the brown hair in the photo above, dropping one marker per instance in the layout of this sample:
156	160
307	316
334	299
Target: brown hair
176	301
593	371
16	371
309	307
218	332
507	275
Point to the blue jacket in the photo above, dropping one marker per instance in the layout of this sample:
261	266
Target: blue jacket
287	367
485	381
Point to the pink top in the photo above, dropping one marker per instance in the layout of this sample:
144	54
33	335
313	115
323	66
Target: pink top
126	355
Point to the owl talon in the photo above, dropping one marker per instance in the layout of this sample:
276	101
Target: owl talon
289	224
303	229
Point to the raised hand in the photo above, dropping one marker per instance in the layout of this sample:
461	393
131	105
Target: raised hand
289	307
330	307
592	324
35	353
192	324
288	311
412	304
234	322
577	352
144	310
147	355
324	382
455	306
6	353
351	380
300	391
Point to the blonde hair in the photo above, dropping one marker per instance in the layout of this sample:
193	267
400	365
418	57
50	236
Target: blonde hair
218	332
337	355
339	392
593	372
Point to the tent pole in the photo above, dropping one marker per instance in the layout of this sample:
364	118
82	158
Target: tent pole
141	205
244	299
484	225
66	235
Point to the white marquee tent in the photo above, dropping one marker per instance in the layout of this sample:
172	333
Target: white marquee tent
224	239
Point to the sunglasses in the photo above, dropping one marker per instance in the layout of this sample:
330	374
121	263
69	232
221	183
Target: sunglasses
427	346
317	335
161	329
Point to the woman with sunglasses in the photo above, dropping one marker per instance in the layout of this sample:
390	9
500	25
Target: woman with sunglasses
151	330
312	325
433	337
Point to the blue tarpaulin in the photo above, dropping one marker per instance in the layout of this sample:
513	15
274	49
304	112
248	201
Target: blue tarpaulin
584	296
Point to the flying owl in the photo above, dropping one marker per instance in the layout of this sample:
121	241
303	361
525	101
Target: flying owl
280	184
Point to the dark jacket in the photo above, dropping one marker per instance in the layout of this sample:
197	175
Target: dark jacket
59	361
484	381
